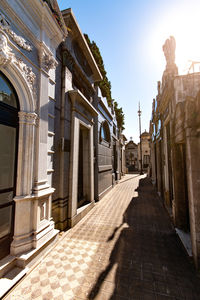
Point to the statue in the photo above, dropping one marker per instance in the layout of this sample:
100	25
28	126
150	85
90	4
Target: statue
169	50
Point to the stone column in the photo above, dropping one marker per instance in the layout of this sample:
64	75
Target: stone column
192	133
193	178
22	240
91	164
73	180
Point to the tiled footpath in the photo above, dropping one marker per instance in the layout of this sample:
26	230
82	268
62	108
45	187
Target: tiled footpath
125	248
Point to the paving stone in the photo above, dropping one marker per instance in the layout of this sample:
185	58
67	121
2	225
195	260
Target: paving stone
124	249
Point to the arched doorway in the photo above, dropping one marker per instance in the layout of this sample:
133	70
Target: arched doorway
9	107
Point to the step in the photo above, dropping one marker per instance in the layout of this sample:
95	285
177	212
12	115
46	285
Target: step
10	279
6	264
186	240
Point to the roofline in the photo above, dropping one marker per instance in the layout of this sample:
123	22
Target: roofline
97	75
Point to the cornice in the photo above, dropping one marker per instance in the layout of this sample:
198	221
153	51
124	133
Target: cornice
41	19
77	34
105	107
74	67
77	96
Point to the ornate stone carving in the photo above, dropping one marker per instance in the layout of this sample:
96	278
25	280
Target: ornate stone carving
6	54
46	58
26	71
4	25
27	118
49	61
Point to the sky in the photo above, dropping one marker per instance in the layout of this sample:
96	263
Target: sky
130	35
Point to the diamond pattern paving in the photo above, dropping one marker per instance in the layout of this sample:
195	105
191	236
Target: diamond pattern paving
125	248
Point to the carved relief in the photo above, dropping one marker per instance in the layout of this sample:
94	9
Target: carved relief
4	25
6	54
49	61
26	71
27	118
46	58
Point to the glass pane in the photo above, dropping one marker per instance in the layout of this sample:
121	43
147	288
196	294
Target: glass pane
7	94
5	221
6	197
7	156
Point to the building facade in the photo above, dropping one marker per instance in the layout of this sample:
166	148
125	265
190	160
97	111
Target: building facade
60	145
28	44
74	139
103	146
175	147
145	147
131	153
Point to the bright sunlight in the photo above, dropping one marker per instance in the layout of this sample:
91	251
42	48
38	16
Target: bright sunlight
183	23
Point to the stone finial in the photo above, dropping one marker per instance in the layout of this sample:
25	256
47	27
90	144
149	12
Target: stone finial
169	50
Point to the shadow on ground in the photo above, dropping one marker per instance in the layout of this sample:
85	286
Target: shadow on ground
149	260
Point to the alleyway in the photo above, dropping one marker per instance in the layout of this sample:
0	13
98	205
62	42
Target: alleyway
125	248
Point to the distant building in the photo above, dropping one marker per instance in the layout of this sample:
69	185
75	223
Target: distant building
145	140
123	141
131	154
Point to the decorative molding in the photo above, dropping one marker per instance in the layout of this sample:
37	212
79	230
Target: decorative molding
26	71
49	62
27	118
8	57
20	41
46	58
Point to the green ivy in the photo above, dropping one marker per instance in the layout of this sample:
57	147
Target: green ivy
105	84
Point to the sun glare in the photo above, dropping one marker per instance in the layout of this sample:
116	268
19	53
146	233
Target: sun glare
183	23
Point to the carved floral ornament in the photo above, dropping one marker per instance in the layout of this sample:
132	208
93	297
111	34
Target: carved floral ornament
48	61
20	41
8	57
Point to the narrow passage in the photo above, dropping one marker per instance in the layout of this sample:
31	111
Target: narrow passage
125	248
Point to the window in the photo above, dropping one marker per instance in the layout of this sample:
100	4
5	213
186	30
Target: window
105	132
7	93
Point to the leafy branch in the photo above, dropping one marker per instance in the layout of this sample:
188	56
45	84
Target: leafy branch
105	84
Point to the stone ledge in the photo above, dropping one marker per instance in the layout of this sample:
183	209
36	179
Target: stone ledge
10	279
105	168
81	212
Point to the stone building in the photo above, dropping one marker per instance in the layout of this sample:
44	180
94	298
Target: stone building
103	146
131	154
60	145
74	136
175	147
29	37
87	155
145	141
123	141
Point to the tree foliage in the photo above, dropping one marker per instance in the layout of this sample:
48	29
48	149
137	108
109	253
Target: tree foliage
105	84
